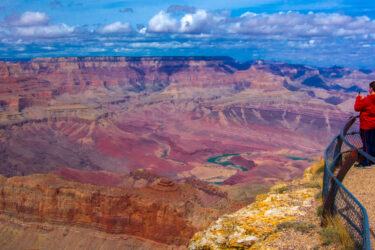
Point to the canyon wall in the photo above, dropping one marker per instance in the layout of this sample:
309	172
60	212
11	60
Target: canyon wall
169	115
127	145
165	211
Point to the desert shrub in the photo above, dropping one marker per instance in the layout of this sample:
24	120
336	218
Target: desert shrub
281	190
320	170
318	195
302	227
312	185
319	211
287	224
335	233
305	227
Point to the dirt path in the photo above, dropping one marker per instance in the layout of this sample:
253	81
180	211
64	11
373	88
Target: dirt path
361	183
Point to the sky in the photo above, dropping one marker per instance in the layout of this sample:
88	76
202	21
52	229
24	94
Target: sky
316	33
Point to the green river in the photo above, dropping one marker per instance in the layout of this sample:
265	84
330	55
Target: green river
220	160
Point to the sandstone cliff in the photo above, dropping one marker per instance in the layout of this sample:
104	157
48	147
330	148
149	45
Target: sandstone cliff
165	212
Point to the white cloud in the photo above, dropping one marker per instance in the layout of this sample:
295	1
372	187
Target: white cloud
97	50
143	30
294	24
116	27
35	25
199	22
282	25
302	44
20	48
117	50
291	35
163	23
49	48
161	45
29	18
331	19
44	31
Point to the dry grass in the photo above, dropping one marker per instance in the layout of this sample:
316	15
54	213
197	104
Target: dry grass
306	232
335	232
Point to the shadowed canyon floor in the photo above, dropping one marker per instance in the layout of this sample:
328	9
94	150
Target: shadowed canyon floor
124	123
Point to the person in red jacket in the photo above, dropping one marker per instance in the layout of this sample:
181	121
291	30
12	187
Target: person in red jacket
366	107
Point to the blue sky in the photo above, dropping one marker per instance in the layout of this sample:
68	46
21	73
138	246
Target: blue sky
317	33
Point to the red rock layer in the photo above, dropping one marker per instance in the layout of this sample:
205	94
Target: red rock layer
163	212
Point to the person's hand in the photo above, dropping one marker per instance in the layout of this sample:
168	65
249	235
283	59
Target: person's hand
360	95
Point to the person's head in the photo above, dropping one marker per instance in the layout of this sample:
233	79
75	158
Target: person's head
372	87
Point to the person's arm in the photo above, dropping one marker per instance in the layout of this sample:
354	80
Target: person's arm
360	103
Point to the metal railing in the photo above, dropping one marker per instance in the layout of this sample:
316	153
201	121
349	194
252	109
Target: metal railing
340	154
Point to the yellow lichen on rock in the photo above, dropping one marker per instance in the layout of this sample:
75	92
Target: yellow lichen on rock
254	225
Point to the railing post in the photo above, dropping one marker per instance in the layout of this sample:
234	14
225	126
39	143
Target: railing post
337	152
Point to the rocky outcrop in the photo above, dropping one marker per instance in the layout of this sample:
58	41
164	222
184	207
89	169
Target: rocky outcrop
161	212
257	225
246	163
3	70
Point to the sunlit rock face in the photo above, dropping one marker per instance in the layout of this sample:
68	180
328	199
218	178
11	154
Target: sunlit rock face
169	115
252	226
140	204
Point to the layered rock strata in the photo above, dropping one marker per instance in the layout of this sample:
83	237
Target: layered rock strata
169	115
165	212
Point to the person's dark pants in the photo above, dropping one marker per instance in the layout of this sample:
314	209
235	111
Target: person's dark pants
368	140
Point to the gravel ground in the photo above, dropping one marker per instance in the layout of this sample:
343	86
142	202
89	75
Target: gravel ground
361	183
292	238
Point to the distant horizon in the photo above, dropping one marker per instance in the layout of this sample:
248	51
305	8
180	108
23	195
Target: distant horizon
312	32
174	56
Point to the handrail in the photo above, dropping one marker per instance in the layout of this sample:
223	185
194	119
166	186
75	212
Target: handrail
331	185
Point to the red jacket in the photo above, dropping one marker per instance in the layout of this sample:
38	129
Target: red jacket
367	108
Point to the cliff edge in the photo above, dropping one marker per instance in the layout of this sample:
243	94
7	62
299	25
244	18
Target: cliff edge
284	218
